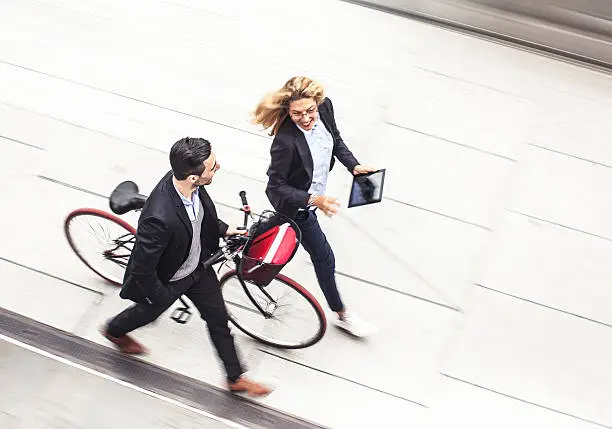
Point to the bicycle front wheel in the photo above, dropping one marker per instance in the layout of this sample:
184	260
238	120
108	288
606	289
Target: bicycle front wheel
291	319
102	241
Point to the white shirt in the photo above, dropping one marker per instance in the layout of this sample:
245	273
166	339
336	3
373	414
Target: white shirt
321	145
192	206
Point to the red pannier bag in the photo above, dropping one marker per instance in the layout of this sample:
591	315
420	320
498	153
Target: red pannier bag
268	252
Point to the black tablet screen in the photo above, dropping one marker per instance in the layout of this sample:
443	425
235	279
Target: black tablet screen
367	188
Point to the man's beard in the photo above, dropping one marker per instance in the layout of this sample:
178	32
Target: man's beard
202	182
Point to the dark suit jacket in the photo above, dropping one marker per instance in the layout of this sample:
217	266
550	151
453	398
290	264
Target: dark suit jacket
291	166
163	240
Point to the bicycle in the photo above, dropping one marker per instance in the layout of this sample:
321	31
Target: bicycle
258	298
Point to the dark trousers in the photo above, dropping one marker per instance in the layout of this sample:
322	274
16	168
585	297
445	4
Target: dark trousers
203	289
321	255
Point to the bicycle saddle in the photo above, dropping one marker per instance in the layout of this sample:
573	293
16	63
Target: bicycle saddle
125	198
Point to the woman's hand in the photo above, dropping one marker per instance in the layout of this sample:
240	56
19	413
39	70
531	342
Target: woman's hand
328	205
361	169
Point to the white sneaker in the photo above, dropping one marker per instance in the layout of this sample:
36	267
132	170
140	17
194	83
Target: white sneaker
354	325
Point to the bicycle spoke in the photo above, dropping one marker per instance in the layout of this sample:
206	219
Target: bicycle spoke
244	307
101	241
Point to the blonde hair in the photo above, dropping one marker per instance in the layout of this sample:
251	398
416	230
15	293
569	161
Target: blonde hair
273	109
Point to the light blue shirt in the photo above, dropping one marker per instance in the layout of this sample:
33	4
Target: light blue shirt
321	144
192	206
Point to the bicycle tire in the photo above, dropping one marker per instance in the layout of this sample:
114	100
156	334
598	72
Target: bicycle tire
94	213
292	284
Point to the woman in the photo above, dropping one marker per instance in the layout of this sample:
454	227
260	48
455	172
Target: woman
306	143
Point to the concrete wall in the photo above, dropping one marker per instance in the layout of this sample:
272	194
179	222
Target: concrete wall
580	29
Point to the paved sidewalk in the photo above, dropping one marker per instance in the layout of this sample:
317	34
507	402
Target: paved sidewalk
45	393
487	267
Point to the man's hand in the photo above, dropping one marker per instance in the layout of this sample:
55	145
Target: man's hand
232	230
328	205
361	169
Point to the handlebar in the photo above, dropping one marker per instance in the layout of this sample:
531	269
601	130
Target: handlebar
233	243
220	254
217	257
245	208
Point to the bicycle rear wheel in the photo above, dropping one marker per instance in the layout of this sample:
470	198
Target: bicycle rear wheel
293	318
102	241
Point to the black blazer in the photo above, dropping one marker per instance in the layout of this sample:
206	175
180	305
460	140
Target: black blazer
291	166
163	240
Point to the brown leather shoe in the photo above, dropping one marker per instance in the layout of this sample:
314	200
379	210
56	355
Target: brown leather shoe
125	344
250	387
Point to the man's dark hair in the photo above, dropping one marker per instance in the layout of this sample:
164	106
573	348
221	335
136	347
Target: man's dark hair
187	157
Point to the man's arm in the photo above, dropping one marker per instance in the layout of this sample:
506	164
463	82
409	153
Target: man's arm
222	227
341	151
278	173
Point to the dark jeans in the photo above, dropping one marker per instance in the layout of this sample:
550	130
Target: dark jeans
202	288
322	256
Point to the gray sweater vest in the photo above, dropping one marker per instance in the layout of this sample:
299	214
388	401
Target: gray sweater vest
192	261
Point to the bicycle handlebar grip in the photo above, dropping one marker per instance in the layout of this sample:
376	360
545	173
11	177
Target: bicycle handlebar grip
243	198
213	259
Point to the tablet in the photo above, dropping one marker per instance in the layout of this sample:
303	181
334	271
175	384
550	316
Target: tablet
367	188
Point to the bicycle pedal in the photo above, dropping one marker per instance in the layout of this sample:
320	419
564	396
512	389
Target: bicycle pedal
181	315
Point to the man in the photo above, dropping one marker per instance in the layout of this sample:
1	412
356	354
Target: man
177	230
306	143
